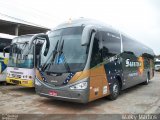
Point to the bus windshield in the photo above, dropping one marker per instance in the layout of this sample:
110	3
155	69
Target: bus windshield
20	55
65	53
157	63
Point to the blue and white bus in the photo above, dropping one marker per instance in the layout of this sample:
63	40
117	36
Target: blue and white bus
5	40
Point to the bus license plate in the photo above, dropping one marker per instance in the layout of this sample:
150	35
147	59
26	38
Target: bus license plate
53	93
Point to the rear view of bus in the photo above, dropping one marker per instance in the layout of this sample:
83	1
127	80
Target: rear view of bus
5	40
21	63
84	60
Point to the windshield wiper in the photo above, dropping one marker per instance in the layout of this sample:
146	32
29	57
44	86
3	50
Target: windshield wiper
60	53
65	62
47	65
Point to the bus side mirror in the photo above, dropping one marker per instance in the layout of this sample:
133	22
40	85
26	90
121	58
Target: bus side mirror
87	34
5	49
47	46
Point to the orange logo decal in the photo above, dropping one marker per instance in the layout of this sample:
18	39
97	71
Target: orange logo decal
141	68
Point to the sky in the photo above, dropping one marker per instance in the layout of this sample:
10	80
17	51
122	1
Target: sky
139	19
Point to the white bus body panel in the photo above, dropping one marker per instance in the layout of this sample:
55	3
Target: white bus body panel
21	73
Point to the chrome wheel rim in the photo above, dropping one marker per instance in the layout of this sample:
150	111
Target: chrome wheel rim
147	79
115	89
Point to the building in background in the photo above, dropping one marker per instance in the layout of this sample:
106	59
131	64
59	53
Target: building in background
15	26
11	27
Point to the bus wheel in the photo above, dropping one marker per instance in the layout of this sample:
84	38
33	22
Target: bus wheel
147	79
114	90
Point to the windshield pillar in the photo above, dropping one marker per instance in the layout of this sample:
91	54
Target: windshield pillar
87	66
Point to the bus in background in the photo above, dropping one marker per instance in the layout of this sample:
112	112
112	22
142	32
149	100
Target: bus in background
5	40
157	64
21	63
88	60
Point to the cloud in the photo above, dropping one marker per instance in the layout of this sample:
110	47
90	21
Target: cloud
138	18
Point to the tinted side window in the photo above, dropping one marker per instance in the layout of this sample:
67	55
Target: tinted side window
132	47
96	52
128	45
111	44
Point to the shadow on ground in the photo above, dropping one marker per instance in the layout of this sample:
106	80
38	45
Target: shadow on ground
71	106
25	90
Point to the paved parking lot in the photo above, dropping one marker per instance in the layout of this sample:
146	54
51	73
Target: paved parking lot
138	99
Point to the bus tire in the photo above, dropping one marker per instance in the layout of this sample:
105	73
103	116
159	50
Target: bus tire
114	90
147	79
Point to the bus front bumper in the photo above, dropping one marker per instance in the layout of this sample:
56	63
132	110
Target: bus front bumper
62	93
20	82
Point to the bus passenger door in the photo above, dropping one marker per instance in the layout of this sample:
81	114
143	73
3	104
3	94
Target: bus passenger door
98	80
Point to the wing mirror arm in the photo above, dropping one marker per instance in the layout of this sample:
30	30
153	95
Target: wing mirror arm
3	52
43	36
5	49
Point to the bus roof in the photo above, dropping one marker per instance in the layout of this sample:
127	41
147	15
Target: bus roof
23	38
83	22
98	24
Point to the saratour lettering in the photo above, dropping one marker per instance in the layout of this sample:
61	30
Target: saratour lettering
132	63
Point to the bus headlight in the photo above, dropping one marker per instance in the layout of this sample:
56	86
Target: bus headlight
37	83
79	86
